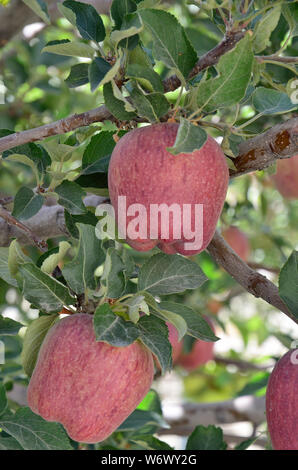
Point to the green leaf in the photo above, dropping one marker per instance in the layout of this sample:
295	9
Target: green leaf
206	438
40	9
264	28
131	26
288	283
113	275
166	274
119	9
170	43
88	21
97	153
4	269
44	291
148	78
197	326
71	220
33	339
150	442
9	327
3	399
150	106
51	261
140	419
70	197
79	273
58	152
34	433
245	444
229	87
79	75
16	257
154	335
189	138
268	101
26	203
98	70
9	443
70	48
113	329
115	105
34	152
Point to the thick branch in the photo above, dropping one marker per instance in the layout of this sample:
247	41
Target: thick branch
252	281
281	141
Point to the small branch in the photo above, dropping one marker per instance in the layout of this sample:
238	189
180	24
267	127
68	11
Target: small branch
257	153
262	267
241	365
59	127
210	58
252	281
277	58
41	244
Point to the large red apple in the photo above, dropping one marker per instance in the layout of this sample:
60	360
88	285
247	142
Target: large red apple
90	387
286	177
142	170
282	403
238	241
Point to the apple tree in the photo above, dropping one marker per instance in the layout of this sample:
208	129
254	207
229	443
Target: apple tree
167	103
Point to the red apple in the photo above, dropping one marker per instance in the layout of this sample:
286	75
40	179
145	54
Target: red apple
201	353
142	170
286	177
282	403
238	241
90	387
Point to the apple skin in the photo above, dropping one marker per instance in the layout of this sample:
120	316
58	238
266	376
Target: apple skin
214	306
282	403
174	340
146	173
286	177
238	241
201	353
90	387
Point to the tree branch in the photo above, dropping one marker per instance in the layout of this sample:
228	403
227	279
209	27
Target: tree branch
13	222
281	141
58	127
252	281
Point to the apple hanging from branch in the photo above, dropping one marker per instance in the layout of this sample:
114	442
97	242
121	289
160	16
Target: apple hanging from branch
149	177
90	387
